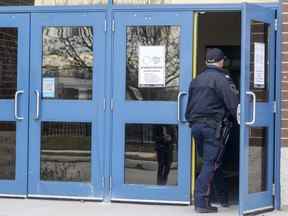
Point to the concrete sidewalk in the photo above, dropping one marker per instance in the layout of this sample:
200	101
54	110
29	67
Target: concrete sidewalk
33	207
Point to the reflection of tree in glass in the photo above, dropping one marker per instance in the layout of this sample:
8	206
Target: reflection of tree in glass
68	58
69	51
153	36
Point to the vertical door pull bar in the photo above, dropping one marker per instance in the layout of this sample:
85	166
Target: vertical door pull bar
254	108
181	93
238	113
16	114
37	104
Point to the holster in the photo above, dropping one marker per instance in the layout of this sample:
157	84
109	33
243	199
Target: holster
222	135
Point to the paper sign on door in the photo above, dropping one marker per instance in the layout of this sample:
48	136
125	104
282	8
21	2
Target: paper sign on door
259	65
151	66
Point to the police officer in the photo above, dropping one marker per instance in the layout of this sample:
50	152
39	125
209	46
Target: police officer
212	96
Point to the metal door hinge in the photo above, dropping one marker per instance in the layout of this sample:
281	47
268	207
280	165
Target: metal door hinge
273	189
274	106
111	104
105	25
113	25
276	24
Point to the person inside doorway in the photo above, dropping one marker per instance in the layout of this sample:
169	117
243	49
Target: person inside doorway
213	99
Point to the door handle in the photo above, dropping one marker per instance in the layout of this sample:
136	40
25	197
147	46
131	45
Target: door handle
254	108
16	114
238	114
37	104
181	93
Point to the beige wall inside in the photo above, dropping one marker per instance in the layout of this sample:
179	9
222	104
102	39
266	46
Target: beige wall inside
217	29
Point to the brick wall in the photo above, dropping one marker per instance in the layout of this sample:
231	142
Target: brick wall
284	108
284	82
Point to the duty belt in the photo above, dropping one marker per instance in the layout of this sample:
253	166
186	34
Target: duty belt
208	121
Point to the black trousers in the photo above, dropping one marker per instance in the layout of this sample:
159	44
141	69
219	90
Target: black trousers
212	150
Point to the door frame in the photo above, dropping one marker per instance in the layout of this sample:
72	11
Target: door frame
178	193
110	8
92	111
266	196
17	187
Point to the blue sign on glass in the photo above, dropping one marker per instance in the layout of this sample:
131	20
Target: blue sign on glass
48	87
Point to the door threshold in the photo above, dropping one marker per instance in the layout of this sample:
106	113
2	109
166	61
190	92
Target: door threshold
259	210
40	196
151	201
12	196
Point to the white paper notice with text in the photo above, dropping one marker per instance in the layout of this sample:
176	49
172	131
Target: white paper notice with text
151	66
259	65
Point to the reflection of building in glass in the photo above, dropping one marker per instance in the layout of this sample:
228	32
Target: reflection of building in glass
66	151
8	62
7	150
151	154
68	57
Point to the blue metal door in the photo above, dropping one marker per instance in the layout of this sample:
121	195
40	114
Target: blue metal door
14	61
257	109
66	105
151	142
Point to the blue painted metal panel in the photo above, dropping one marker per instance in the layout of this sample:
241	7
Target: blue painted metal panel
264	112
68	111
149	111
19	185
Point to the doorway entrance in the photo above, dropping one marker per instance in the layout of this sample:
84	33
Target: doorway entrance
253	70
226	28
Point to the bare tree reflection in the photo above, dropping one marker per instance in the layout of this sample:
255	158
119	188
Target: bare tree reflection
68	57
167	36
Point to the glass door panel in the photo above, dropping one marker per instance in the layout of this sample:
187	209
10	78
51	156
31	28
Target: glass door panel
151	144
14	70
67	94
257	115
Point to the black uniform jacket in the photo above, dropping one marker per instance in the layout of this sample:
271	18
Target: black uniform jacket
212	95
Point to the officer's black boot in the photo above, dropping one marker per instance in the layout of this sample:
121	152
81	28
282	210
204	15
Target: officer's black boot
207	208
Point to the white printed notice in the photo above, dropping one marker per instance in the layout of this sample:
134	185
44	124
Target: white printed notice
48	90
151	66
259	65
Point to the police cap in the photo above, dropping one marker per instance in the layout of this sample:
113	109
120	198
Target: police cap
214	55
